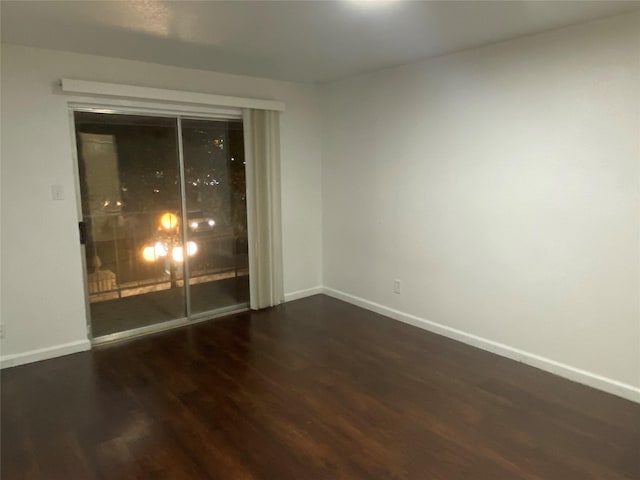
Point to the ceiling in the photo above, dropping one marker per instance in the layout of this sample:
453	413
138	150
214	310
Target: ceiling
311	41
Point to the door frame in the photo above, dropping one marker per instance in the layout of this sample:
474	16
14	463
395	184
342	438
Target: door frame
179	112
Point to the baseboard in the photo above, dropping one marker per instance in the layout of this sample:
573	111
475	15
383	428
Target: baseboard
289	297
44	353
576	374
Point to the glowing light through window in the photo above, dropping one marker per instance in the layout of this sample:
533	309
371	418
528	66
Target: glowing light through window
177	254
169	221
149	254
160	249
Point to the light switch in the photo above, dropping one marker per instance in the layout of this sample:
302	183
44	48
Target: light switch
57	192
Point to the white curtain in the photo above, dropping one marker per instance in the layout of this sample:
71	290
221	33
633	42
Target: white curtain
262	154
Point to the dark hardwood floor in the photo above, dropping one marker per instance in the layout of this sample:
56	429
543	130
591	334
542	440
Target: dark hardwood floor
314	389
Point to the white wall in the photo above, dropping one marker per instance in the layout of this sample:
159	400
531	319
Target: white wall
42	303
501	186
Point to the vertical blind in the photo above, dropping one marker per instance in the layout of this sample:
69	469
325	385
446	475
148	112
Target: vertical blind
262	136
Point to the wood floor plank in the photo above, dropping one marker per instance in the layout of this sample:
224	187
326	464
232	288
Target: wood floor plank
313	389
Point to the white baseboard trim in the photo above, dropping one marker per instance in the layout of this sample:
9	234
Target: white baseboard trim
576	374
44	353
289	297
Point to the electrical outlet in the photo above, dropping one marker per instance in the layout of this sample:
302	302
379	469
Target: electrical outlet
397	286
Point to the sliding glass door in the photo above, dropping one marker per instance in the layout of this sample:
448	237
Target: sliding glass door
164	219
215	194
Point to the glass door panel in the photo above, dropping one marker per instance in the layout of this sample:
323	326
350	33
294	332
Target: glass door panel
131	206
215	192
